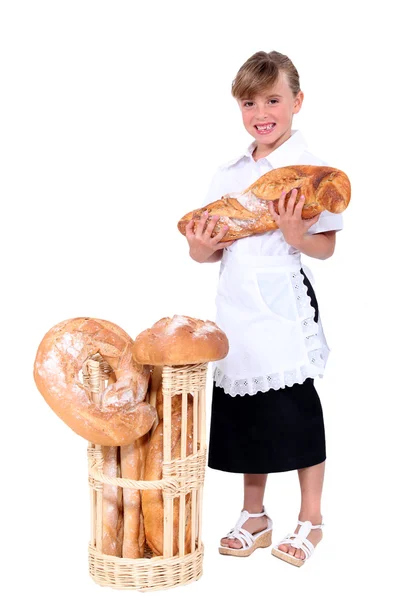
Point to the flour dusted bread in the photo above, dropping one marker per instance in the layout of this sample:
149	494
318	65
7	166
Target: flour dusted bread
241	221
180	340
120	415
247	213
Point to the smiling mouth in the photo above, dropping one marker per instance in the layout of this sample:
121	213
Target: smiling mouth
265	128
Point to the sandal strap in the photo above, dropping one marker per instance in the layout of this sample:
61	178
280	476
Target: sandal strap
293	540
261	514
255	514
299	540
243	536
244	515
311	526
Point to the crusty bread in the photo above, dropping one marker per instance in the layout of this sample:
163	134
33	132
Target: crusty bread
176	403
241	221
133	460
112	505
152	500
122	415
179	341
324	188
247	213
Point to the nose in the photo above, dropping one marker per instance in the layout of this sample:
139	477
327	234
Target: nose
261	113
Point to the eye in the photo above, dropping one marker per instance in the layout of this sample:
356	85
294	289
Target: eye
274	100
246	104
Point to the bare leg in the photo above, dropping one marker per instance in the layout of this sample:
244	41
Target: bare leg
254	488
311	481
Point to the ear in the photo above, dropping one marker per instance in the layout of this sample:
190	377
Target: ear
298	101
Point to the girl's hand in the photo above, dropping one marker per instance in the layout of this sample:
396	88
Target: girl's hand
289	220
201	244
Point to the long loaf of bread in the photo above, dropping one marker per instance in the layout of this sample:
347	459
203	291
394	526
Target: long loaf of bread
133	459
112	504
247	213
152	500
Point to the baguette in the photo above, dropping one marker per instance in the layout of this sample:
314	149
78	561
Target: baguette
246	213
133	459
152	500
112	505
176	403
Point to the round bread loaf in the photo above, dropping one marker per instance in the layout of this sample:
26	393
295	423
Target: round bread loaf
121	414
180	340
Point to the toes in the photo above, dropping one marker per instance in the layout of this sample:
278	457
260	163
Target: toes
296	552
230	543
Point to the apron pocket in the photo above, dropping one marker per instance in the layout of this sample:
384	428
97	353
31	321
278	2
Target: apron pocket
276	294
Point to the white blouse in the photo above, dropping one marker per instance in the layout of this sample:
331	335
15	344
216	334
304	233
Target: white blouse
236	175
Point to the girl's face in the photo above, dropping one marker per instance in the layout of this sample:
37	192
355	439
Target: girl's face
268	116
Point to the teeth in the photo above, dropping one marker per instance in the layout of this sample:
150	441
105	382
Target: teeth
264	127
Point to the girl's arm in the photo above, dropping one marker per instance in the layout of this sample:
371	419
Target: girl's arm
215	257
203	247
319	245
295	229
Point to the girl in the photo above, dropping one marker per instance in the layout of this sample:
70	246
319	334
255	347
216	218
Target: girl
266	415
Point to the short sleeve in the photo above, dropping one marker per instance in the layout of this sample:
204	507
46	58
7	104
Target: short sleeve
327	222
220	185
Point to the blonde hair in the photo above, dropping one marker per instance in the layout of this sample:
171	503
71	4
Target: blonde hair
261	71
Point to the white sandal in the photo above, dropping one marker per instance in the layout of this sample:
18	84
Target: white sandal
250	541
297	540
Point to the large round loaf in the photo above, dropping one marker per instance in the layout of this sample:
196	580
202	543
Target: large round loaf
180	340
122	414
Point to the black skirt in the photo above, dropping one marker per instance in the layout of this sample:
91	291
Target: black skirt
268	432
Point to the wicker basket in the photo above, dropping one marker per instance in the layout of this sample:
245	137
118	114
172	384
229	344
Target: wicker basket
179	477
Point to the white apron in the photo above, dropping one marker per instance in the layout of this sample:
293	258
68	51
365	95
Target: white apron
265	311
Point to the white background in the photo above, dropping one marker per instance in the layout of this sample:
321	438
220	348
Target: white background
114	117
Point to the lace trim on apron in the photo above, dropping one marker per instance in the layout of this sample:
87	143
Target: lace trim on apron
317	354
